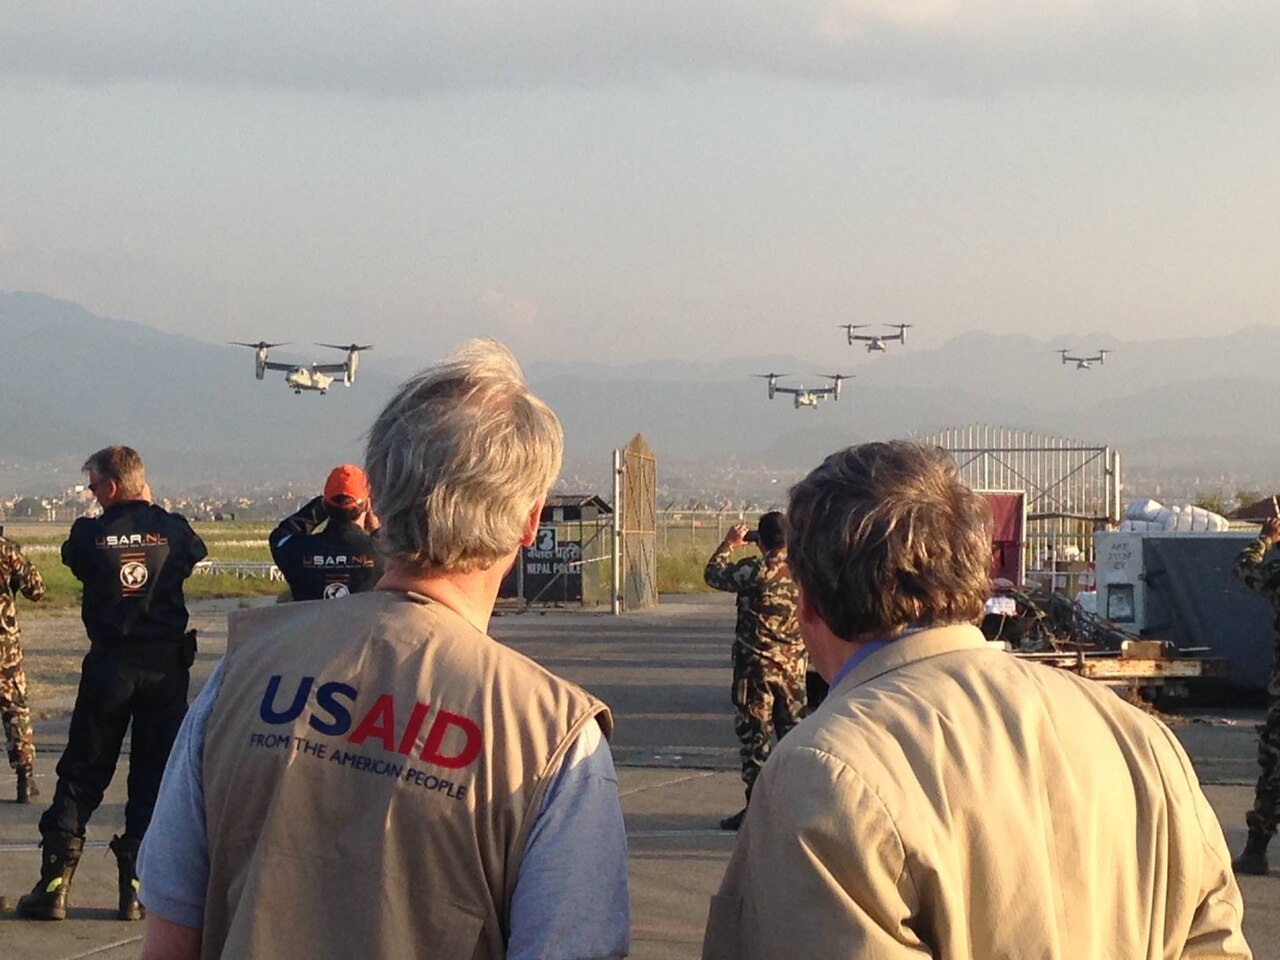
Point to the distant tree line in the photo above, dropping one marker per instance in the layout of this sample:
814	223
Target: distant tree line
1219	503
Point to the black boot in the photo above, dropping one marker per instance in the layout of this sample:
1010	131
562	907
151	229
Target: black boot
1253	860
27	791
126	851
734	822
58	859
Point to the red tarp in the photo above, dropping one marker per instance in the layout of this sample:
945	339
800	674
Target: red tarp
1007	535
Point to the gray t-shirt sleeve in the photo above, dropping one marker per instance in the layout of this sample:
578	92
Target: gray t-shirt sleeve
571	900
173	864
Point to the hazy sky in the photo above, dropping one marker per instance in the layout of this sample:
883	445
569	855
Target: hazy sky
649	179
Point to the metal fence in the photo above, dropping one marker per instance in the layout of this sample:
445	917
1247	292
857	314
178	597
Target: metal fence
244	569
1072	488
699	530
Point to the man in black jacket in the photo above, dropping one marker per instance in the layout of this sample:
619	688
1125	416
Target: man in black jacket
340	558
132	561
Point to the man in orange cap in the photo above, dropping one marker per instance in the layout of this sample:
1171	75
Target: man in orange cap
325	563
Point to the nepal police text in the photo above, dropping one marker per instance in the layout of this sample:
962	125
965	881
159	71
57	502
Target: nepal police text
332	717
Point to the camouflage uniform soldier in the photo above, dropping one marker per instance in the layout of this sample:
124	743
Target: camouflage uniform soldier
17	573
1264	577
768	656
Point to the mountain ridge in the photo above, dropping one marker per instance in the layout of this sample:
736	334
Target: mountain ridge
196	412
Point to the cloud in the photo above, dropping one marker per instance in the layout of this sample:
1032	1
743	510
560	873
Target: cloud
411	48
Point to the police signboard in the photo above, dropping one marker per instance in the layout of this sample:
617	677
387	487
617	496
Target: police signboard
552	571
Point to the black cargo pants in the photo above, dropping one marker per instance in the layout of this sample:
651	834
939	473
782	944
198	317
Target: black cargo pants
120	684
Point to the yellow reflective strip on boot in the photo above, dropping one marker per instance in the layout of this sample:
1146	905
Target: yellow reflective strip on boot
53	885
136	884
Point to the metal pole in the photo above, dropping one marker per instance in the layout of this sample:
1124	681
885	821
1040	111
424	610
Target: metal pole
1116	486
616	592
986	471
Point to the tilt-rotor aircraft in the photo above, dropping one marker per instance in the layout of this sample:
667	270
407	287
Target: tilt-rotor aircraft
1084	363
801	396
316	376
875	341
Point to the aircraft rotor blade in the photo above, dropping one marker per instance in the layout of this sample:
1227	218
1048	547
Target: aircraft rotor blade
260	345
770	376
349	347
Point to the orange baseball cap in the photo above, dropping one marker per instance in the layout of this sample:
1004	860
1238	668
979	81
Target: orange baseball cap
347	486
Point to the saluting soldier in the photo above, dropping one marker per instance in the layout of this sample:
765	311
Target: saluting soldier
1263	575
17	575
768	655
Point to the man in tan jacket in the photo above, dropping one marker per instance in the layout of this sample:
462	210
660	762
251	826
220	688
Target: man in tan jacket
948	799
376	777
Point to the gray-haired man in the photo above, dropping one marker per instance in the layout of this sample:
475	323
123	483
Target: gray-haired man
378	777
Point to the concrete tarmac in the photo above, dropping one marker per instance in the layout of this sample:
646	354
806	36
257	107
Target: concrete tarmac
666	675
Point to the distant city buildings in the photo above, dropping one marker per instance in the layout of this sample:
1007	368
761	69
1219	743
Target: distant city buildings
78	501
721	487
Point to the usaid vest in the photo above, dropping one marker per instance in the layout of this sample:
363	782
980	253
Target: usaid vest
372	769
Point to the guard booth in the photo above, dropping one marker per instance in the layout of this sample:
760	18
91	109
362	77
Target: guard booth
565	562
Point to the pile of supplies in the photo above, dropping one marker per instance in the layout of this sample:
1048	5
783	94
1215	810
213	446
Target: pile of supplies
1153	516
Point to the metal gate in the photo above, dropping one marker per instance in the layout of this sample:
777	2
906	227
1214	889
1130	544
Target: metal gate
1072	489
635	572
